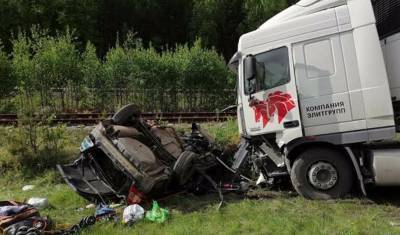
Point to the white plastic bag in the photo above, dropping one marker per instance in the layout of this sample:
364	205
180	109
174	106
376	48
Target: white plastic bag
133	214
38	202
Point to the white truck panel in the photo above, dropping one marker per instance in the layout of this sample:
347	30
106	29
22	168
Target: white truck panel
361	13
336	128
302	8
320	67
240	114
374	81
352	76
350	61
343	18
291	31
356	103
324	110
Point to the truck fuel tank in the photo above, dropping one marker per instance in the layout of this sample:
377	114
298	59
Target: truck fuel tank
385	164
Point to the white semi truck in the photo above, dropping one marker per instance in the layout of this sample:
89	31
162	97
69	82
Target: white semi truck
318	93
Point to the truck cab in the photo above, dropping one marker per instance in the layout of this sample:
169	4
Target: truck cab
319	84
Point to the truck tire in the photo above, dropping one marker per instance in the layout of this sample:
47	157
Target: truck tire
322	174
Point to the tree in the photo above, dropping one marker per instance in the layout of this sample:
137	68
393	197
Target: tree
7	84
161	24
216	23
56	62
259	11
91	69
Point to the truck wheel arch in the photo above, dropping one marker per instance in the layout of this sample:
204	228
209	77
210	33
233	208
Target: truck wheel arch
294	149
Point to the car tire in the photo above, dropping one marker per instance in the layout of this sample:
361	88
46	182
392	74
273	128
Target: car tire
125	114
322	174
183	167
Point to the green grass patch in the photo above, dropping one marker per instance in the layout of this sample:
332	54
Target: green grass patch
198	214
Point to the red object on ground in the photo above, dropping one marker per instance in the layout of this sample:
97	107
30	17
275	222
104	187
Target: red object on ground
134	196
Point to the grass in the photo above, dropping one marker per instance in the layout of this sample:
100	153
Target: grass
279	213
198	215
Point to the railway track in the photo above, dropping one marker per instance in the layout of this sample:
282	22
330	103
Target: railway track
93	118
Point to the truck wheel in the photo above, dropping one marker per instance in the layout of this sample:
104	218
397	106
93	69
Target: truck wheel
322	174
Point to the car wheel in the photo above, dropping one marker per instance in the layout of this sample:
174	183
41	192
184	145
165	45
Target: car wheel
322	173
183	167
125	114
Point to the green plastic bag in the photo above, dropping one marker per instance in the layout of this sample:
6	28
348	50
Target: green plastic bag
157	214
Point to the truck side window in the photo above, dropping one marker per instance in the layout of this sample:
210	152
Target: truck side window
272	70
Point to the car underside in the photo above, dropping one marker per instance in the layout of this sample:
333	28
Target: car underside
127	158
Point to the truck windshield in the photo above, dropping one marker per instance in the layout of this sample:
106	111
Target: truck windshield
272	70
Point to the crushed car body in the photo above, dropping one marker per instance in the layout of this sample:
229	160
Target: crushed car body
127	158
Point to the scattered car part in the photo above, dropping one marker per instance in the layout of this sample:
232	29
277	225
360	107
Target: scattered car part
90	206
104	211
21	218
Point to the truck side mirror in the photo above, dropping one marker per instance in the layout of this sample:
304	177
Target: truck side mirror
250	64
250	67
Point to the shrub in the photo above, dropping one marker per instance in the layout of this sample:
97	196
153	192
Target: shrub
35	150
205	76
7	84
52	73
92	69
22	67
118	69
155	72
203	68
7	161
96	86
56	62
120	73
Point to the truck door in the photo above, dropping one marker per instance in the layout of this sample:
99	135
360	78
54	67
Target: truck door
270	99
322	85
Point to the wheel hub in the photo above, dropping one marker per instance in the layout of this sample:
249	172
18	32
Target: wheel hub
323	175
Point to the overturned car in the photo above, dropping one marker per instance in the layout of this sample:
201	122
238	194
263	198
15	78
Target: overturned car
127	158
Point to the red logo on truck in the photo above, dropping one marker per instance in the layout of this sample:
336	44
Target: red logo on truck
277	102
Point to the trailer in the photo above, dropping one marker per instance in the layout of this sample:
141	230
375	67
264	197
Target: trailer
318	97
